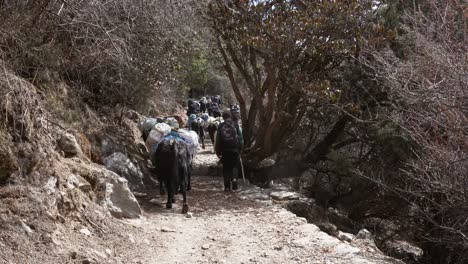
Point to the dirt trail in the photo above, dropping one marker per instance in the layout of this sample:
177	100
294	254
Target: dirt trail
228	228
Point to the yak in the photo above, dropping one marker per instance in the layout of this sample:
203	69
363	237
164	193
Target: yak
172	163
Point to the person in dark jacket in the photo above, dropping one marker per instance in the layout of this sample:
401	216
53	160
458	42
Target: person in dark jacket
215	110
235	113
203	105
193	107
228	145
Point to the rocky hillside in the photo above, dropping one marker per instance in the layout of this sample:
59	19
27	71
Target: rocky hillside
54	173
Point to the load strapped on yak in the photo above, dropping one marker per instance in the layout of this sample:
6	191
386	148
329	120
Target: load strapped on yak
155	136
146	125
156	130
191	137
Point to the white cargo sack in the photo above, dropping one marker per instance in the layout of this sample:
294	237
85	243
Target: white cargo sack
147	124
192	137
153	138
159	131
211	120
164	128
172	122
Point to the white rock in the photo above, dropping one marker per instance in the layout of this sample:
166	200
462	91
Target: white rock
131	239
345	236
85	232
123	166
364	234
69	145
284	195
205	246
49	187
115	195
26	227
72	182
167	230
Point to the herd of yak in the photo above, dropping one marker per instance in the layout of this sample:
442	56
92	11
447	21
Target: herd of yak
172	147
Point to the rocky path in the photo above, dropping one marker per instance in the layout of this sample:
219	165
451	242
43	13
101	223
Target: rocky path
245	226
238	227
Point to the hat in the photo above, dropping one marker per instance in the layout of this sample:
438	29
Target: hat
235	108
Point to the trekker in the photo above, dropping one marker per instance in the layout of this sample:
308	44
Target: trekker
215	110
228	145
203	105
193	107
217	99
235	113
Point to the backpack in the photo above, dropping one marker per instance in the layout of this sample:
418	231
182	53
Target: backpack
196	107
228	136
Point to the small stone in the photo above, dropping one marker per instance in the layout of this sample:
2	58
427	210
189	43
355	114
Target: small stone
26	227
73	255
284	195
49	187
130	237
345	236
167	230
205	247
108	251
69	145
278	248
85	232
364	234
189	215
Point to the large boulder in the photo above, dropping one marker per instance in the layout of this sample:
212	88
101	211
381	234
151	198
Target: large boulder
105	187
69	145
114	194
123	166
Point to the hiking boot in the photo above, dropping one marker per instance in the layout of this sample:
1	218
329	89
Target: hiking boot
234	184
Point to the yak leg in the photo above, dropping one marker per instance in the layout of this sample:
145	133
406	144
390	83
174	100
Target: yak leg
189	178
162	188
170	196
184	190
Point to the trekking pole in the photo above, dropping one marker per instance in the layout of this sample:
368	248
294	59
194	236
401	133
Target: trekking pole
242	168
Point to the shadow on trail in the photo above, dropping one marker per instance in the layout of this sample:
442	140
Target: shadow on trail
206	197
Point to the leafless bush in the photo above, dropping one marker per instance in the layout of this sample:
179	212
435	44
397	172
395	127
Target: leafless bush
21	111
428	82
112	53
